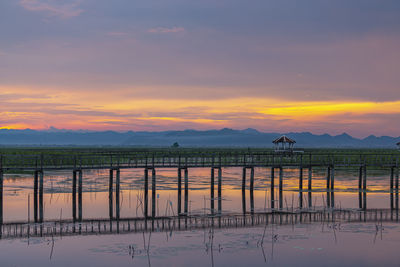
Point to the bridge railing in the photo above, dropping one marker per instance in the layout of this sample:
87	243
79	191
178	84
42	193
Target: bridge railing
143	160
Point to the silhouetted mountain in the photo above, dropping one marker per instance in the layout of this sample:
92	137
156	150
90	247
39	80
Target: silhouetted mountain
188	138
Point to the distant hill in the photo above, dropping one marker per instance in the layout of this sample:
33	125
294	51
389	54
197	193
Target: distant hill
187	138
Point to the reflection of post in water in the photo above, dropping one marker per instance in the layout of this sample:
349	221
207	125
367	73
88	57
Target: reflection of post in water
280	187
272	188
252	190
244	190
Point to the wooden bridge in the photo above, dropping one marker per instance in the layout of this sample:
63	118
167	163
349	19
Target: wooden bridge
150	162
17	230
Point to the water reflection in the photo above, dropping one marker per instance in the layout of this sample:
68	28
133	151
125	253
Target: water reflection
87	193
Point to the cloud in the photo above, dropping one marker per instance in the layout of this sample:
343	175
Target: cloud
65	9
117	34
166	30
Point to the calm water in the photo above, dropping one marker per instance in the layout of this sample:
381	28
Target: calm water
319	244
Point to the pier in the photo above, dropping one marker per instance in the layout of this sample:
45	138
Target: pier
278	163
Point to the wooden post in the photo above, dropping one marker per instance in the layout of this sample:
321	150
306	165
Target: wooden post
391	179
74	195
244	190
110	194
397	180
365	179
252	190
186	190
360	180
41	214
332	178
146	192
309	186
301	185
272	187
220	189
397	190
80	196
35	195
117	193
1	197
301	179
365	188
179	191
280	187
153	192
328	179
212	190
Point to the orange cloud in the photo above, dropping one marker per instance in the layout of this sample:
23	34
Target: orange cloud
20	108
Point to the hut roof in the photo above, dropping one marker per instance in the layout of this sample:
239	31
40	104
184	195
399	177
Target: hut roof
284	139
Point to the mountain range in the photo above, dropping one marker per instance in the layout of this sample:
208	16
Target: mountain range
187	138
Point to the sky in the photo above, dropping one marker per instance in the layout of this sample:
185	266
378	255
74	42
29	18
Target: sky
151	65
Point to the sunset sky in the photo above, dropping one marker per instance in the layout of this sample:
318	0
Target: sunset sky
274	65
